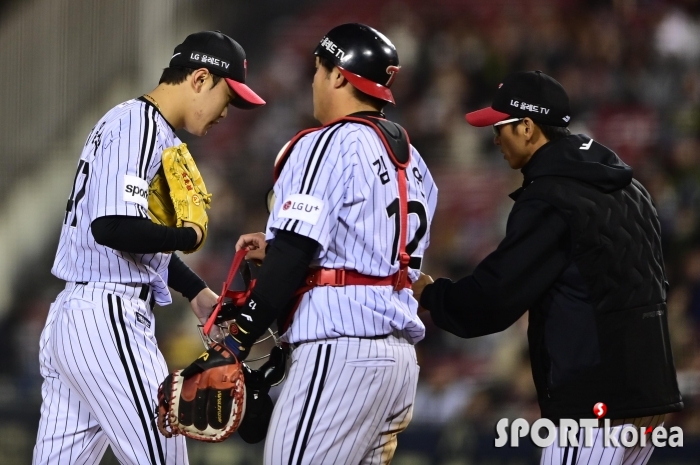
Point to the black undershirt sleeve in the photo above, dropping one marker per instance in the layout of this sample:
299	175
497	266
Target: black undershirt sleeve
506	283
283	271
183	279
141	235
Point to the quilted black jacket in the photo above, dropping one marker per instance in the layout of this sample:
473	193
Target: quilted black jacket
582	252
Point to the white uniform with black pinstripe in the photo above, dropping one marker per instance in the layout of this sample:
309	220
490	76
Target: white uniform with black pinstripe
353	374
598	453
99	357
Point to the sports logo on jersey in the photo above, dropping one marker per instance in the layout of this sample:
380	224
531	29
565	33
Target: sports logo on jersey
302	207
135	190
143	320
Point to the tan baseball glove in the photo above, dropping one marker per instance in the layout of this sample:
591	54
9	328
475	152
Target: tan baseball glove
177	193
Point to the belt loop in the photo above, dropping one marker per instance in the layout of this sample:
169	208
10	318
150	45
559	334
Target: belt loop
144	292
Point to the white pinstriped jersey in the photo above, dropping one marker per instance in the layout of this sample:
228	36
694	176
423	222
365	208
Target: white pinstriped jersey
339	187
120	158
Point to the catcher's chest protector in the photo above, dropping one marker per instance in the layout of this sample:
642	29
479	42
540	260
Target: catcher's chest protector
398	147
392	135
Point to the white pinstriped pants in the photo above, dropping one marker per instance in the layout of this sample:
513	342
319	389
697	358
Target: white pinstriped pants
600	455
344	402
101	367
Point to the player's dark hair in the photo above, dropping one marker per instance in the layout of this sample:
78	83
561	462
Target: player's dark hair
374	102
178	74
550	132
553	132
326	63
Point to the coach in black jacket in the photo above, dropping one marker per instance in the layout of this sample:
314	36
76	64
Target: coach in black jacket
582	253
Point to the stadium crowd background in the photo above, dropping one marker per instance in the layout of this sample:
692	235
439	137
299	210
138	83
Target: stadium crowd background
632	71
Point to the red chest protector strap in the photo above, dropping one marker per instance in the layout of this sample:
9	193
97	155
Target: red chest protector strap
239	297
397	145
396	142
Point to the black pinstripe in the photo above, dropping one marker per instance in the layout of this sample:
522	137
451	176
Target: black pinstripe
146	147
83	393
151	149
306	404
321	383
137	373
575	452
125	364
308	166
320	158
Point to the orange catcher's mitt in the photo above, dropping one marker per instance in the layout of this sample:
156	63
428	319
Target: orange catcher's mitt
205	401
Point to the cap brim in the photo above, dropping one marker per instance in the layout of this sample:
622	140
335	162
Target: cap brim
368	87
485	117
245	98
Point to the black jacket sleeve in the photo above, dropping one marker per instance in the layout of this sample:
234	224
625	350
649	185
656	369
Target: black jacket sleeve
283	271
183	279
140	235
506	283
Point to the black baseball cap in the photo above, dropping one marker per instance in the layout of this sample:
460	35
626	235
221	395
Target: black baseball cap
524	94
222	56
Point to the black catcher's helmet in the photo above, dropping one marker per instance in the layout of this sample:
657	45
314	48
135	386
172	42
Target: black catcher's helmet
365	56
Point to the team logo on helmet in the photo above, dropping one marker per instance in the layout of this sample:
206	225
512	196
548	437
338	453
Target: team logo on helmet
391	70
286	205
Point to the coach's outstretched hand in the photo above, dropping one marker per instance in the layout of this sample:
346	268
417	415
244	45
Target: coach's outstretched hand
418	287
255	243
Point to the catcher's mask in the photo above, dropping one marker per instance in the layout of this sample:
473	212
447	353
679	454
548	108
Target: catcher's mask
237	289
270	354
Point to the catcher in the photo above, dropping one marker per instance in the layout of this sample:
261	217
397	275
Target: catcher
349	223
217	394
99	357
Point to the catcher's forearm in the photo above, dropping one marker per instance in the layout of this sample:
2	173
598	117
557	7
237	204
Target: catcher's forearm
183	279
286	265
141	235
